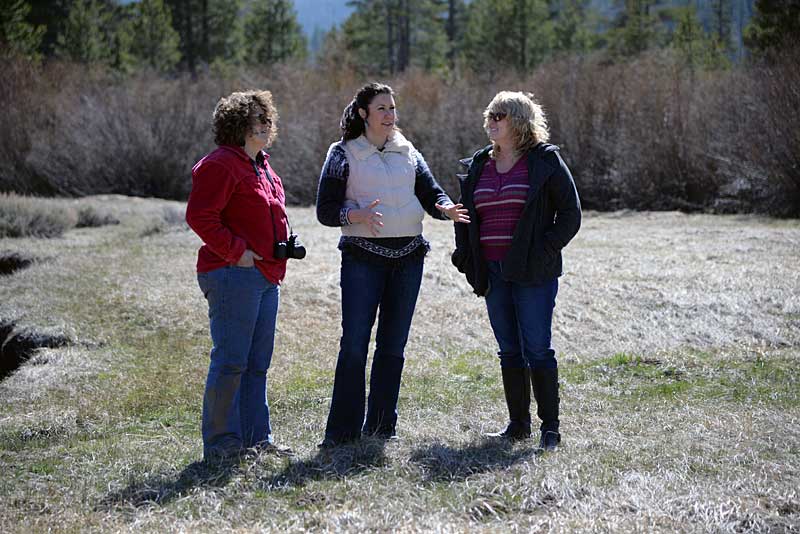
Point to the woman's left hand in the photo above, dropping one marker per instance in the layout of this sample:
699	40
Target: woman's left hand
455	212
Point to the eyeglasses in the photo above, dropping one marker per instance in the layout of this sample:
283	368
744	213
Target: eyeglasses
263	119
497	116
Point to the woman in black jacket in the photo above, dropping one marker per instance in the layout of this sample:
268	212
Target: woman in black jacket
524	209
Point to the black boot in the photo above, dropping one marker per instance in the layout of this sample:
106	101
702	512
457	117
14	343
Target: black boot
545	391
516	385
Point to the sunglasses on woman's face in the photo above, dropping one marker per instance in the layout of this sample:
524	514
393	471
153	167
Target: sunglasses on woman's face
497	116
263	119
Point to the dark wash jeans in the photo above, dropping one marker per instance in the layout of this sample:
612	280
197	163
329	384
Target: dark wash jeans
367	287
242	310
521	317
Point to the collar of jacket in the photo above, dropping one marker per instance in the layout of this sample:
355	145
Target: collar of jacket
361	148
479	155
539	169
239	151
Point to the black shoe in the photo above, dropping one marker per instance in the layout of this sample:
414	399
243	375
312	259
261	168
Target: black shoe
330	442
222	456
549	441
327	443
514	432
385	433
268	447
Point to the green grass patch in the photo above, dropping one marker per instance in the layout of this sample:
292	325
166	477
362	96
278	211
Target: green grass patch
458	379
694	375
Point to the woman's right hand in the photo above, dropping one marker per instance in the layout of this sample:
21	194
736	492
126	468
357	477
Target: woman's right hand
248	259
367	216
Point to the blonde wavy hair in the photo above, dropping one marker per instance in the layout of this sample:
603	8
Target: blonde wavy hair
528	122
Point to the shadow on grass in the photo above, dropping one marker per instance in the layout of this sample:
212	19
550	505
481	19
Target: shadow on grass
346	460
441	462
162	489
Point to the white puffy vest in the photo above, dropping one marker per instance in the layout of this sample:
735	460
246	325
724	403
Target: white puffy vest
388	175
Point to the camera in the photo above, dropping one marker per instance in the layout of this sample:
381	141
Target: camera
292	248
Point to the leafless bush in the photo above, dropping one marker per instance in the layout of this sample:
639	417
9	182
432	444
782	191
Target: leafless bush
769	137
91	217
23	216
649	134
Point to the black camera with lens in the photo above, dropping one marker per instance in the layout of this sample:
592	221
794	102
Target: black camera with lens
292	248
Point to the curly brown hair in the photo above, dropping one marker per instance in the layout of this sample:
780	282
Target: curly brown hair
235	114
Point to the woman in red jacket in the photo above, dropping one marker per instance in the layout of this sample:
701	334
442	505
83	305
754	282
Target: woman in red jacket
237	208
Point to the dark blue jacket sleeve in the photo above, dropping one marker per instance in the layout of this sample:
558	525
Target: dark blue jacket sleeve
427	190
332	188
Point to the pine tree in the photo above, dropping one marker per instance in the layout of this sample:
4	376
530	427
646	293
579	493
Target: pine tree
392	35
51	15
503	34
85	36
273	33
695	47
225	37
454	27
721	23
775	24
154	40
186	17
574	26
17	35
636	28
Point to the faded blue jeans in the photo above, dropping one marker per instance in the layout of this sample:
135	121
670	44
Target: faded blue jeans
521	317
242	310
367	287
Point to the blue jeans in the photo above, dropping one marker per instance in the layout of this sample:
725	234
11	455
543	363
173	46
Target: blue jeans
366	287
242	310
521	317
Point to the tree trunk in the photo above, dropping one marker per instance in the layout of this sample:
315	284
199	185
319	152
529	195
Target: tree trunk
390	31
451	33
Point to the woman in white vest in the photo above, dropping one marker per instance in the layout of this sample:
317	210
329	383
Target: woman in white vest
377	187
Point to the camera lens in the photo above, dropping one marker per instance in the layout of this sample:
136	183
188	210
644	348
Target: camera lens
298	251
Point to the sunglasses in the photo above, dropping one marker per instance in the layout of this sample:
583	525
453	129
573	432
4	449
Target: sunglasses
263	119
497	116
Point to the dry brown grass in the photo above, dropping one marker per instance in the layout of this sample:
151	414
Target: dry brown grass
677	337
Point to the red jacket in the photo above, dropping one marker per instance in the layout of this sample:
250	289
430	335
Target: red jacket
232	207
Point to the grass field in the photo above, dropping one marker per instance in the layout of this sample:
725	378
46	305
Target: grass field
678	338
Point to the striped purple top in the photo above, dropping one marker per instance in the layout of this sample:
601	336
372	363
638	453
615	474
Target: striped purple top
499	199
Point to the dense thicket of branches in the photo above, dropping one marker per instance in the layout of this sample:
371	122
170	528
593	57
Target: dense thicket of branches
651	133
651	104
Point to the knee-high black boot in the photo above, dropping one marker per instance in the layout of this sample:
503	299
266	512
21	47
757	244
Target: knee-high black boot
545	391
516	385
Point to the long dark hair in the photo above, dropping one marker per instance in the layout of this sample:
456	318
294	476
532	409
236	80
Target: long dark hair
352	124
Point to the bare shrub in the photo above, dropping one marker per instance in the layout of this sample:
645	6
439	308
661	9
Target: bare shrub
769	133
91	217
649	134
170	218
137	138
24	216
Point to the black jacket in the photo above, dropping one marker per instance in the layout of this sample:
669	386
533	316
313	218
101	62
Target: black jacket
550	219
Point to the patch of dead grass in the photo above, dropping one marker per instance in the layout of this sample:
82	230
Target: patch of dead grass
104	436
